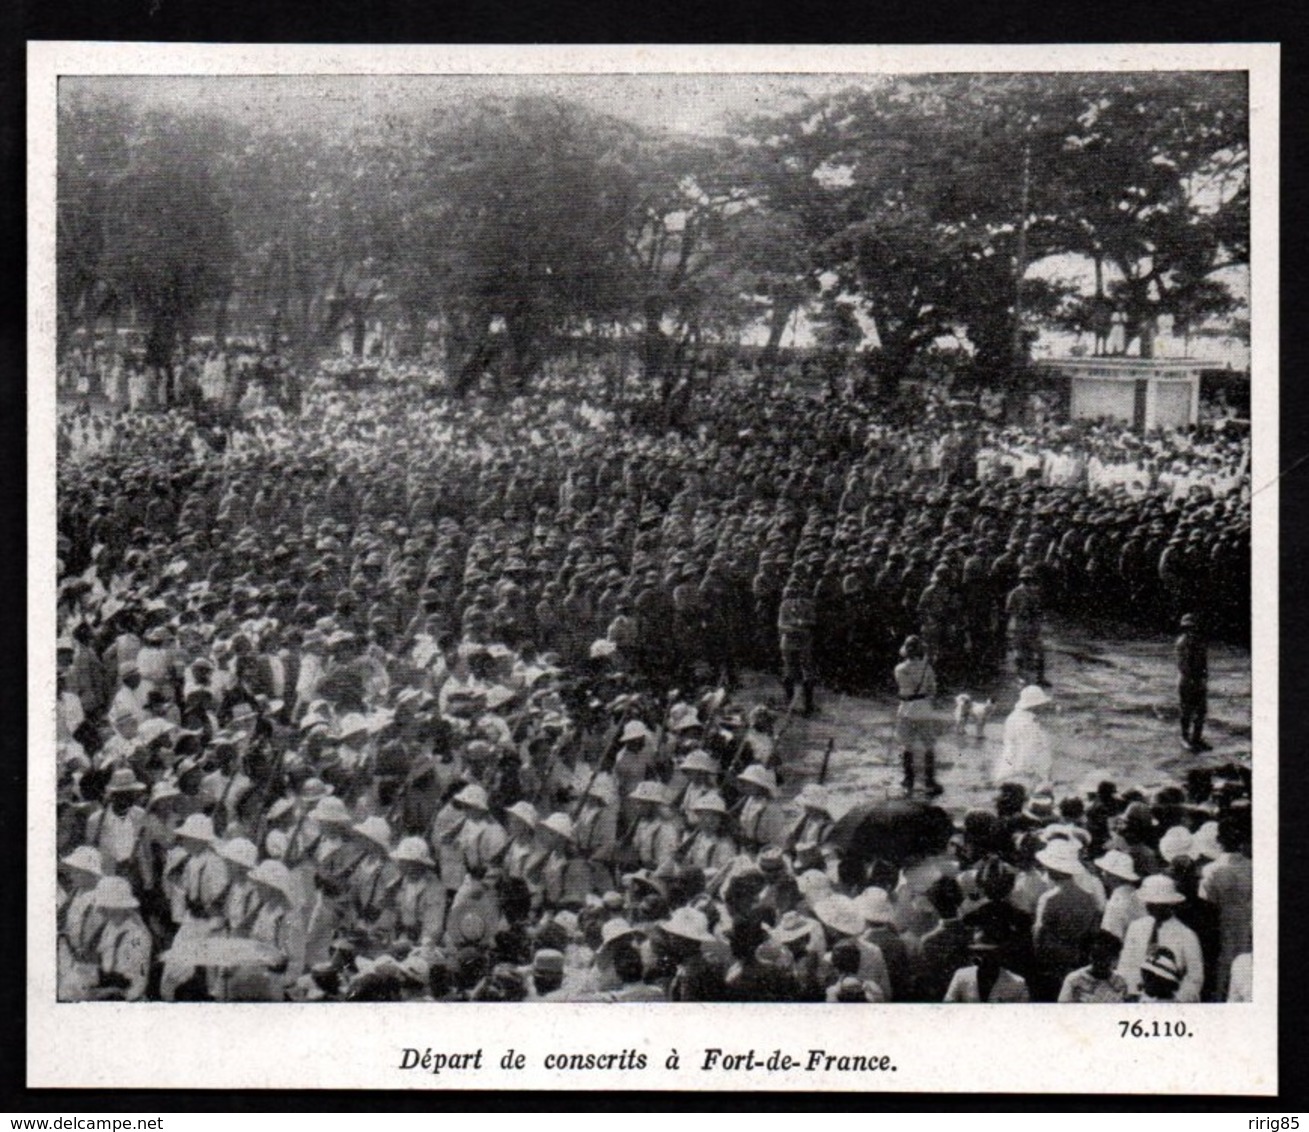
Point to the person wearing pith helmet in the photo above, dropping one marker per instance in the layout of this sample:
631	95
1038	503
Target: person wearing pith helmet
758	787
80	923
1160	928
683	937
709	846
124	948
915	681
658	831
419	899
1192	655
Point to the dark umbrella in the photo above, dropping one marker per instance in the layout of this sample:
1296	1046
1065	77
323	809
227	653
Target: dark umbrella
895	830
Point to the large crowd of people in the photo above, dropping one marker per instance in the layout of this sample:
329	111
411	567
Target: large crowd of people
387	695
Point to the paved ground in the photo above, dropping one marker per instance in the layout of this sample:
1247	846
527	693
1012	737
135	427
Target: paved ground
1117	719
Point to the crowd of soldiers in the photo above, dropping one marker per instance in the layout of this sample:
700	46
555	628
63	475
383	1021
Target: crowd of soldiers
415	699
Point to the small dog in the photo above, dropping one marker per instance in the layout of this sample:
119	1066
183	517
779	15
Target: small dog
968	710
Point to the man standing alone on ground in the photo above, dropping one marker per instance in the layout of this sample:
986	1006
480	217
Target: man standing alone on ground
1192	683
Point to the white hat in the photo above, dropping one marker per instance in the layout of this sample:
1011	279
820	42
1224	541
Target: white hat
1177	842
647	790
1061	856
875	906
709	802
841	914
689	923
559	823
413	849
699	760
611	931
85	859
1033	696
1205	842
352	724
331	811
197	827
634	730
376	830
473	796
761	776
276	875
602	788
524	812
1159	889
115	892
240	851
602	648
1119	864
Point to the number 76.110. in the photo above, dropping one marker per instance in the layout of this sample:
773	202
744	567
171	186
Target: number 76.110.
1153	1028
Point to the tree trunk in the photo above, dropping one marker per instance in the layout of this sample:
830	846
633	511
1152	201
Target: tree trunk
221	321
780	315
359	332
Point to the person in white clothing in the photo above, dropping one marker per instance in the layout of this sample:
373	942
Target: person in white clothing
1159	929
1028	751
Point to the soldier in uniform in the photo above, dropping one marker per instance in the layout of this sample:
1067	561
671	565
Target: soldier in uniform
795	628
658	831
1023	608
916	687
1192	683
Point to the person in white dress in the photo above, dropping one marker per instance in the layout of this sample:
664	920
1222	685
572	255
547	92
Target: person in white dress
1028	751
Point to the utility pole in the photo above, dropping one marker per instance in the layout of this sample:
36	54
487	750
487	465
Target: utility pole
1020	257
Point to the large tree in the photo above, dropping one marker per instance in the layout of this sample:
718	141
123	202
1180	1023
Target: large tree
525	203
1153	181
92	157
168	237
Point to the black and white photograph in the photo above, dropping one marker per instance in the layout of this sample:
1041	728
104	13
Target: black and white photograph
638	535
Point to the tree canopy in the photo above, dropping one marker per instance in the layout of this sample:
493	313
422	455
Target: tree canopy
517	225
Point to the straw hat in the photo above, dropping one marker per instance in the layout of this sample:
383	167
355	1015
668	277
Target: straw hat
1159	889
1119	864
413	849
115	893
841	914
688	923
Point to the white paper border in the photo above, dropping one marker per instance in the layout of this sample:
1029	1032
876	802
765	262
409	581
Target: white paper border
1036	1049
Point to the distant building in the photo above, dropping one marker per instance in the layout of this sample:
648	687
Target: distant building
1146	393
